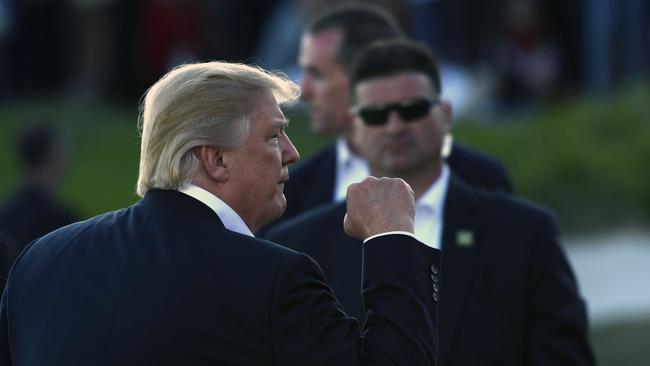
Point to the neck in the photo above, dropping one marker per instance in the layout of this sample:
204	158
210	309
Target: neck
420	179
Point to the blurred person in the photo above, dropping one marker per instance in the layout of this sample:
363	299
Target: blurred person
173	32
33	54
507	293
615	48
329	45
33	210
179	279
95	53
278	44
528	60
235	27
7	255
278	47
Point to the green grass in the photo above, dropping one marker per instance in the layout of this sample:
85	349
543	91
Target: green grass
625	343
588	160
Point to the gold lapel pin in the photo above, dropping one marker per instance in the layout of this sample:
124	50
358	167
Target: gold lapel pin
464	238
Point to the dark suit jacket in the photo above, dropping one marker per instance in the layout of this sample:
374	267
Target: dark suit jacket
32	213
164	283
508	295
7	255
311	183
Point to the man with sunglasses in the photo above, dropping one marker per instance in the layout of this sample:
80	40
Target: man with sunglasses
506	290
328	48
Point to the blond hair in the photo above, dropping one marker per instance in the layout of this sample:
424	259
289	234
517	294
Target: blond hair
195	105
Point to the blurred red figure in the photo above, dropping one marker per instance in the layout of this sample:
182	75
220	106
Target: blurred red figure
173	33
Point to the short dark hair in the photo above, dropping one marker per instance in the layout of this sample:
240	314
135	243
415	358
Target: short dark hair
360	25
35	145
386	58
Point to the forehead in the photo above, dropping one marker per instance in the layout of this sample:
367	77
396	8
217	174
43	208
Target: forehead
394	88
321	46
266	109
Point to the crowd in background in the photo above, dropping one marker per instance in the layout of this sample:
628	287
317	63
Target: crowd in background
495	55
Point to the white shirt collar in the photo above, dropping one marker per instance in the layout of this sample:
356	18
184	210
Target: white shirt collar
435	195
350	168
429	210
343	153
230	219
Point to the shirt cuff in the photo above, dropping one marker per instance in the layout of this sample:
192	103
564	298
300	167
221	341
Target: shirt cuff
391	233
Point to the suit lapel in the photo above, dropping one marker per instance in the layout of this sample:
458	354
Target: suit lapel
459	260
321	189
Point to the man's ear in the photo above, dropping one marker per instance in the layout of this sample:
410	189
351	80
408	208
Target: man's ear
447	114
212	161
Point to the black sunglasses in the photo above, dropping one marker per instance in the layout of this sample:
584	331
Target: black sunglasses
409	111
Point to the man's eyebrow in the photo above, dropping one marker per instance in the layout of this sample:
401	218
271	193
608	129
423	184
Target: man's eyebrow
312	70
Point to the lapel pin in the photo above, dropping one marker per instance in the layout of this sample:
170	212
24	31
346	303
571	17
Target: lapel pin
464	239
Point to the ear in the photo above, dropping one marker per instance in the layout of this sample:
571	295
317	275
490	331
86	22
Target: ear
447	114
211	159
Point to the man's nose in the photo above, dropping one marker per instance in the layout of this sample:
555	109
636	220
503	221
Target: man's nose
306	88
394	123
290	154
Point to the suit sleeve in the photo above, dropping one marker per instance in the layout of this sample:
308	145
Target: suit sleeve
558	320
309	327
5	354
503	182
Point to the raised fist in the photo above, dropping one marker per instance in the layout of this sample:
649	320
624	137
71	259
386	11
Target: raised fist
379	205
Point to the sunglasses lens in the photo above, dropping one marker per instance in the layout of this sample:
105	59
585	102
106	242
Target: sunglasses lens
408	111
414	110
374	116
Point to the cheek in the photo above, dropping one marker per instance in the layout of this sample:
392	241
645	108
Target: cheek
368	142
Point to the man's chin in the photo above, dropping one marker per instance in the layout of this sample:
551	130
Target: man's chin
281	207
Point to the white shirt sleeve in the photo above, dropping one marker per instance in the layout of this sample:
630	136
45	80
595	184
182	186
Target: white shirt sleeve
391	233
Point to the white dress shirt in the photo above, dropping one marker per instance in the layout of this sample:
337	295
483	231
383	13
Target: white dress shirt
429	210
230	219
350	169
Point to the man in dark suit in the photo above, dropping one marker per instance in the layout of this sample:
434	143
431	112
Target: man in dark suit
34	210
179	279
508	295
329	46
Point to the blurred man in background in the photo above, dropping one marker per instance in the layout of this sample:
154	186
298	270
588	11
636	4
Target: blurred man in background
33	210
329	46
507	292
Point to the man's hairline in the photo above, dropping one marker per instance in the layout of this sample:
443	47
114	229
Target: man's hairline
337	50
353	88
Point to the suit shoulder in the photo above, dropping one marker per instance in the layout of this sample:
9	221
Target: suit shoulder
476	158
311	222
267	248
503	205
479	169
73	231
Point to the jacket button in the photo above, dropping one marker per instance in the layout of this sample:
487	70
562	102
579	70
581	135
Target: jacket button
434	269
436	297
